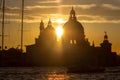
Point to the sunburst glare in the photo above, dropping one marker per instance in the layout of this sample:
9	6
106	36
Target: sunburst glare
60	21
59	32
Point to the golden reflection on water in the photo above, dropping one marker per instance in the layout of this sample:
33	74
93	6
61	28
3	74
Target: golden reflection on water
57	76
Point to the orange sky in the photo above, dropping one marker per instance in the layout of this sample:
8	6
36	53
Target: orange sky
96	17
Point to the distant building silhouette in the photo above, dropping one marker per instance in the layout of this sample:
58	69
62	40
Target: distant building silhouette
41	51
13	57
76	49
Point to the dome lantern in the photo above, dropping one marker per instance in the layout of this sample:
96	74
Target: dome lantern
72	14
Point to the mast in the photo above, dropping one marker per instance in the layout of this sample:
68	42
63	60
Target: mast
3	21
22	21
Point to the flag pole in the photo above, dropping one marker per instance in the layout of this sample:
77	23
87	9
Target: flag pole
3	21
22	21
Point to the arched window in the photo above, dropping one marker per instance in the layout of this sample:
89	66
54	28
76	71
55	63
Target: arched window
75	42
71	42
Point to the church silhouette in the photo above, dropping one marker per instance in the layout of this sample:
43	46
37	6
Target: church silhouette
75	49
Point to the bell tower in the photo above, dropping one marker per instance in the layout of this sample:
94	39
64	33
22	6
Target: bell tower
106	45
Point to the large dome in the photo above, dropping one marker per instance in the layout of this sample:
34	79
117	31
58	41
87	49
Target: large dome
73	30
73	25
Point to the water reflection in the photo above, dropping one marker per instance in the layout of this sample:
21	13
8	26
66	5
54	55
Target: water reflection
38	73
56	76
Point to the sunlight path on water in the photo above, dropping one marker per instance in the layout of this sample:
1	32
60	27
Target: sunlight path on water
54	73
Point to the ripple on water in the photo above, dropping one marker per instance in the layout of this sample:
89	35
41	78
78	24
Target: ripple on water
52	73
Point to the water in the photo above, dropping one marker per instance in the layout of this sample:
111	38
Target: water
55	73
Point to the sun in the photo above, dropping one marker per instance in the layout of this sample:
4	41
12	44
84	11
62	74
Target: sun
60	21
59	32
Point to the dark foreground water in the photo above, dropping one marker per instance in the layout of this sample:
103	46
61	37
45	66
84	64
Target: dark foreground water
55	73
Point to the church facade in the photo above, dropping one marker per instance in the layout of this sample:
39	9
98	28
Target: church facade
75	48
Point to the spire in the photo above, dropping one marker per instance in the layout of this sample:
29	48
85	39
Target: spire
72	14
105	36
49	23
41	25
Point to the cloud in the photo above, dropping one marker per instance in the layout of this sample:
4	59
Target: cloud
49	1
62	6
110	6
80	6
12	8
100	21
89	17
96	19
54	17
37	6
11	14
92	10
98	2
